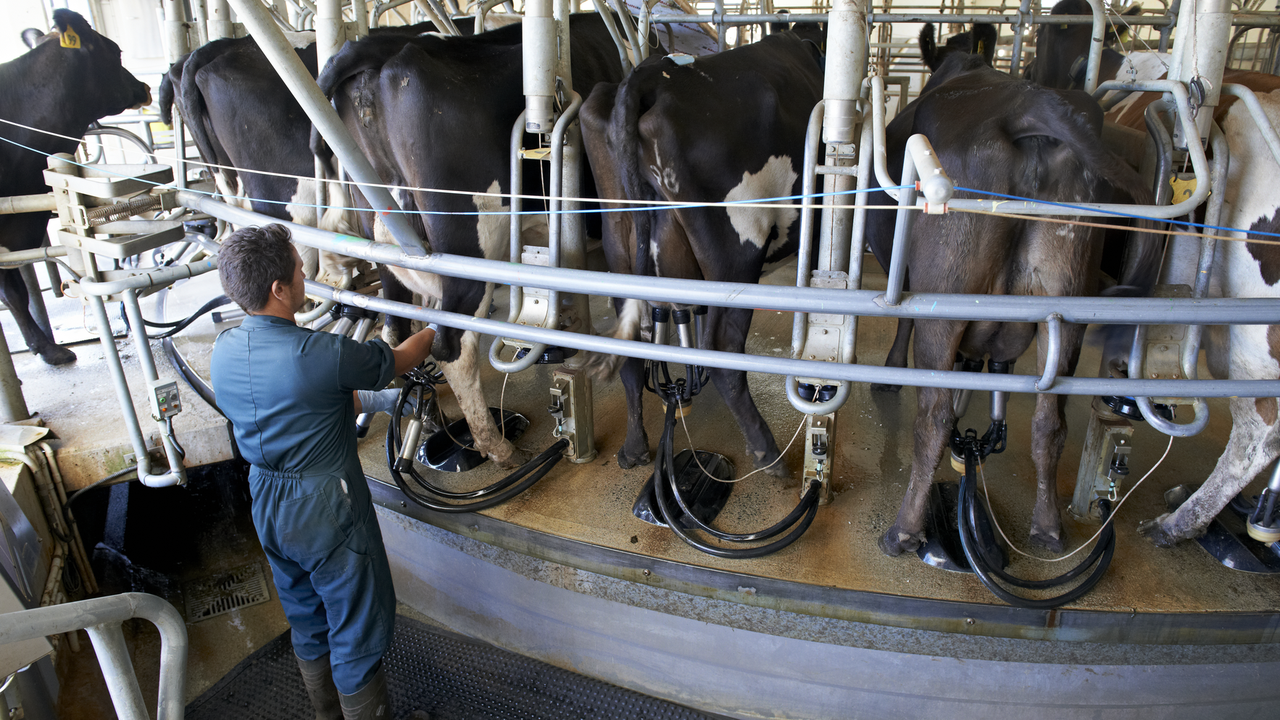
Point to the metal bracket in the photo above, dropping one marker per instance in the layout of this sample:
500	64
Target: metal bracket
1108	440
535	304
826	331
1163	357
818	433
571	407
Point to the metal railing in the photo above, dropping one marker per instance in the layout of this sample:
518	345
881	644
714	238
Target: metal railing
1114	310
101	618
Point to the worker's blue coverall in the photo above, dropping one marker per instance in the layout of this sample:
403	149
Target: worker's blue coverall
287	392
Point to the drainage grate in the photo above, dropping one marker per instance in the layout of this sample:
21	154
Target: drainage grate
217	594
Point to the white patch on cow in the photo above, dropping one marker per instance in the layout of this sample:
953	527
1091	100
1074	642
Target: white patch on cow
300	40
753	224
493	225
630	321
302	206
1137	67
665	176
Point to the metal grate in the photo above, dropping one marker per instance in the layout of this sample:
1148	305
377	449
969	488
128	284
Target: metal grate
217	594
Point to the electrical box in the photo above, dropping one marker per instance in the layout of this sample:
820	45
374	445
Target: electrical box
165	402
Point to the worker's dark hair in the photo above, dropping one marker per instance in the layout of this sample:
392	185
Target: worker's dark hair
252	258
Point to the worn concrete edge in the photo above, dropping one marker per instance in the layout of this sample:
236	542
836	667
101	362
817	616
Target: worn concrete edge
899	611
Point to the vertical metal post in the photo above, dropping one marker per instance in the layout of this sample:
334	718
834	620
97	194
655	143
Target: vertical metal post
35	299
133	311
330	31
539	35
1199	56
200	17
179	44
117	670
846	64
13	407
295	76
220	25
361	12
1095	46
901	233
1015	62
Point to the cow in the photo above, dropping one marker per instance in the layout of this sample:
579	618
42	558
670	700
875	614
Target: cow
1241	269
725	127
1062	50
71	77
981	40
1023	140
437	112
242	118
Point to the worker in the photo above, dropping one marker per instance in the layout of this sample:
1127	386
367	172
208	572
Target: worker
292	396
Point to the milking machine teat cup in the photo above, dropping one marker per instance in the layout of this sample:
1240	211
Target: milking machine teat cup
687	490
412	459
981	553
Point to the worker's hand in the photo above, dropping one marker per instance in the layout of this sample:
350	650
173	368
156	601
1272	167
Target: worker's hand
375	401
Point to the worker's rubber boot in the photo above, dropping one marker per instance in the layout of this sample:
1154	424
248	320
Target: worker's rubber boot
318	678
369	702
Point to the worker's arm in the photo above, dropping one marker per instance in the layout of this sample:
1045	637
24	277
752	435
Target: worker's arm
410	353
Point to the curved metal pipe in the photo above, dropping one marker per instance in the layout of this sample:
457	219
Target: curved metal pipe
553	226
813	138
1053	352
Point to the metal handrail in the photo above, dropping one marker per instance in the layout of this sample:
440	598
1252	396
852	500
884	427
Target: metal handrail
101	618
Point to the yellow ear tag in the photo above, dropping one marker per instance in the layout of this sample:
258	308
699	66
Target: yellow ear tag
1182	189
981	45
70	39
1064	27
1124	36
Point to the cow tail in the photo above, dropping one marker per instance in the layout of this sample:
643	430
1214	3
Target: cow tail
166	97
624	130
190	101
928	47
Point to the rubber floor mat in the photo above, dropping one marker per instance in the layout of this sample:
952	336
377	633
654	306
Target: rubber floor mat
448	677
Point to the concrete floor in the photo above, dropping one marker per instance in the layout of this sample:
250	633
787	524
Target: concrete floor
592	502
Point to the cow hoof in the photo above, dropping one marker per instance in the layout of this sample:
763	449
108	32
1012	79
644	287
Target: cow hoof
514	459
876	387
57	355
895	542
1051	542
1157	533
778	469
626	462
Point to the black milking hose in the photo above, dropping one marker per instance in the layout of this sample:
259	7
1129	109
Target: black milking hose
987	571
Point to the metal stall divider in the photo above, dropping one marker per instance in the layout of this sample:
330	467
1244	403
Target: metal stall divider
548	78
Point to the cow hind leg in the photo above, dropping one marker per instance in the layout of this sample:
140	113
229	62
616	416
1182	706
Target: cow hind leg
936	344
1048	437
898	353
464	377
635	447
395	329
1253	445
761	446
14	293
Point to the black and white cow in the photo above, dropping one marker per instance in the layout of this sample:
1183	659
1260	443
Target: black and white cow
725	127
242	118
70	78
1023	140
437	112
